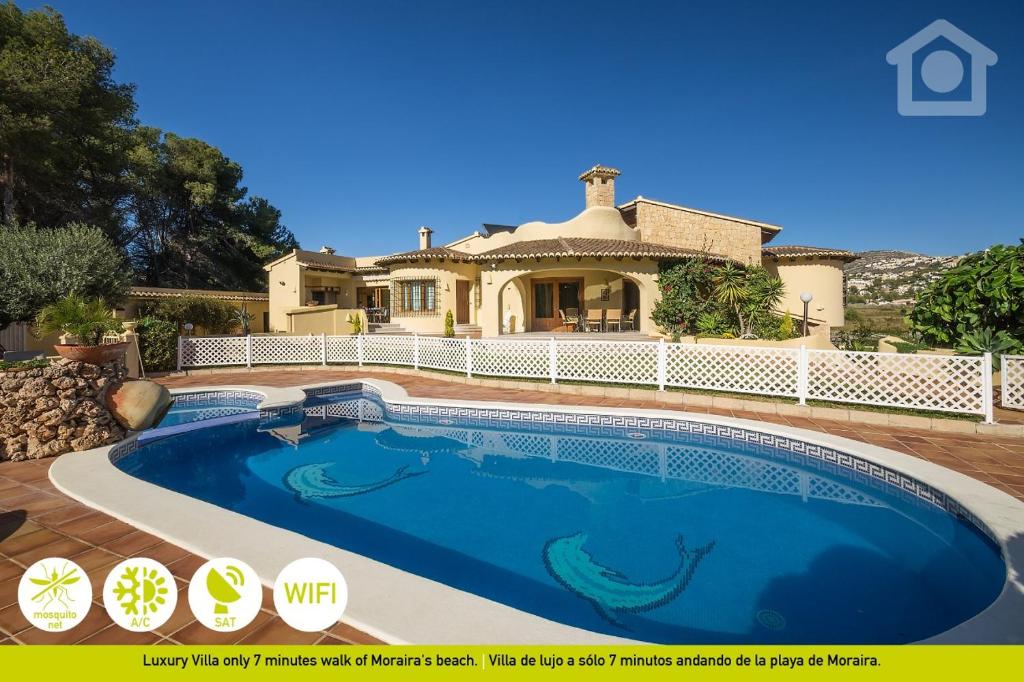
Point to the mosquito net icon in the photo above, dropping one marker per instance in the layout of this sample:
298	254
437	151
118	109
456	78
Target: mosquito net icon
55	585
140	591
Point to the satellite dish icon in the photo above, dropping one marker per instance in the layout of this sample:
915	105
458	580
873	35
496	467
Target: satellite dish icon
223	589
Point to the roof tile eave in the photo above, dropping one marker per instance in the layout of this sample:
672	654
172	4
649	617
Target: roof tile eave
796	250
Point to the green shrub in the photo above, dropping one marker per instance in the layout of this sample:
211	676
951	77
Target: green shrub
158	344
787	330
909	346
982	295
39	267
356	321
15	365
449	325
209	314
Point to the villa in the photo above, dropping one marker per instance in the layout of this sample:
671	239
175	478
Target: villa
597	270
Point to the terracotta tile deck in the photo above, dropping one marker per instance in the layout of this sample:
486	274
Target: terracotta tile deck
37	521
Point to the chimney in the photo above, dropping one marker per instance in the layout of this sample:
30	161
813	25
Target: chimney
327	250
425	233
600	182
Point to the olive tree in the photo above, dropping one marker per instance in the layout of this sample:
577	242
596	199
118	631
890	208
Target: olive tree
39	267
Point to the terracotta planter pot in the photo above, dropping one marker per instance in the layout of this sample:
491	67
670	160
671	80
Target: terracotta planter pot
138	404
93	355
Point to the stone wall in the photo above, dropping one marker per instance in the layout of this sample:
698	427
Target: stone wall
675	226
48	411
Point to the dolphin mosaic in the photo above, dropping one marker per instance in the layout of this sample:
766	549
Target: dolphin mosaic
610	591
311	482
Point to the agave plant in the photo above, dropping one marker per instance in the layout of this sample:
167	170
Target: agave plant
243	318
988	340
88	320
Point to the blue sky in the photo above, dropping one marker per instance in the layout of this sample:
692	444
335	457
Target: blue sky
363	121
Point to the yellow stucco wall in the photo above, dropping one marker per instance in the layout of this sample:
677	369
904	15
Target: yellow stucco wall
285	286
497	294
324	319
823	278
446	274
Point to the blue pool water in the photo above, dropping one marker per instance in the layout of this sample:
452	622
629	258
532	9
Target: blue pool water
183	412
652	535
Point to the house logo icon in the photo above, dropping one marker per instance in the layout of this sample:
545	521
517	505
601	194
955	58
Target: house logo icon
941	71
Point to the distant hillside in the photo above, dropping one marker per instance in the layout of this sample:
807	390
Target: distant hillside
891	276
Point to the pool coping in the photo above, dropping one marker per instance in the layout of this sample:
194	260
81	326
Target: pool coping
212	531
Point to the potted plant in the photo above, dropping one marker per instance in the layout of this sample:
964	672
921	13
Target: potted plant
88	320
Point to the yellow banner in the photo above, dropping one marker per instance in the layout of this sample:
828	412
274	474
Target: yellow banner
506	663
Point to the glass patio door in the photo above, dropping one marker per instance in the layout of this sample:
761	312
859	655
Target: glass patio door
551	296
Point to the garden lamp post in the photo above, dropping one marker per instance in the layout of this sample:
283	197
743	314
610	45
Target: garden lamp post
806	297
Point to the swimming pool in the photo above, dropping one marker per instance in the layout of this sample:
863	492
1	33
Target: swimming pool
655	529
195	406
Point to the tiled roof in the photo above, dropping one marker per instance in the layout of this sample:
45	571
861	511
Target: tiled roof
600	171
561	247
433	253
160	292
795	251
324	261
585	247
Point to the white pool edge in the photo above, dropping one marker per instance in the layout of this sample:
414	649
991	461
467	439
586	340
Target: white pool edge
400	607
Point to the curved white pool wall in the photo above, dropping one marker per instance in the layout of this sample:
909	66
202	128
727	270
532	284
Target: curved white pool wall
400	607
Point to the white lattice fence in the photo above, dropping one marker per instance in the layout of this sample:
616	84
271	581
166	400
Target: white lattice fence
284	350
343	349
926	382
947	383
738	369
620	362
439	353
1013	382
211	351
498	357
389	350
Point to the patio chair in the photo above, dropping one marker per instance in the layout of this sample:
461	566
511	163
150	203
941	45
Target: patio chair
571	319
594	320
613	319
630	321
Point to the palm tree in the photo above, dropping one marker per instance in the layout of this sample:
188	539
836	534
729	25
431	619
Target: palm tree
731	289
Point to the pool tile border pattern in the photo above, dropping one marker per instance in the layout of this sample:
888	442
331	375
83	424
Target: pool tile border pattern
430	414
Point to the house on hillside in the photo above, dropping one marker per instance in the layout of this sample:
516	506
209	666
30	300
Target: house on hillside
537	277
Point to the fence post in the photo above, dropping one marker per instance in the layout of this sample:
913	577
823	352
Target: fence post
1004	392
469	357
801	376
179	352
323	348
986	386
359	349
416	351
662	363
553	360
248	351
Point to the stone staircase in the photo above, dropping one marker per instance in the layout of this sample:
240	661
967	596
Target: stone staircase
386	328
464	330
